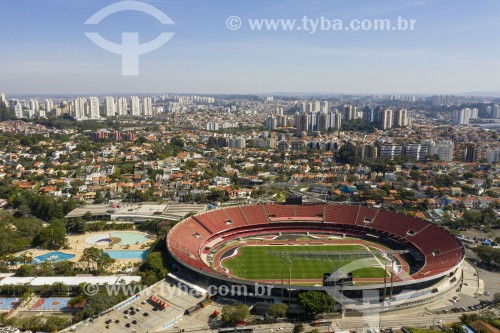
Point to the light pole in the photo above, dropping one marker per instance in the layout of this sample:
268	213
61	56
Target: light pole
244	277
290	281
282	276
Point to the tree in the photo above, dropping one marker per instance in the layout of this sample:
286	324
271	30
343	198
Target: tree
316	302
487	315
88	216
496	299
68	206
64	268
25	270
28	227
153	268
11	240
59	287
26	258
24	210
443	180
6	113
33	324
76	225
487	254
277	310
468	318
99	198
298	328
97	304
54	236
457	328
190	164
55	324
177	142
232	314
97	259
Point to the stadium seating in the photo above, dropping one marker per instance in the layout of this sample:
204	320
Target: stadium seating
309	211
236	216
220	220
442	262
341	214
433	239
280	210
255	214
206	221
397	224
188	239
365	214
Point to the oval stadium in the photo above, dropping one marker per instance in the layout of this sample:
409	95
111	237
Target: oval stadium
366	258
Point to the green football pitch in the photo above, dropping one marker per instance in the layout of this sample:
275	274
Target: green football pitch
253	262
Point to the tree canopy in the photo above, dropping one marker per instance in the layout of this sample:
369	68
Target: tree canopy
232	314
277	310
316	302
96	259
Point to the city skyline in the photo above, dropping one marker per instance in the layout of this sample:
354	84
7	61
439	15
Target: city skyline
448	52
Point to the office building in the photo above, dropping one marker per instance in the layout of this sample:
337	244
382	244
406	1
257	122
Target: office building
324	107
135	106
48	105
212	126
444	149
401	118
147	106
389	151
238	143
121	106
469	153
350	112
93	110
385	118
369	114
109	106
316	106
493	156
338	120
416	151
79	108
271	123
496	111
445	100
366	151
34	105
463	116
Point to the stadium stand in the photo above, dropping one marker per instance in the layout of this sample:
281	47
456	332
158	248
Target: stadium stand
236	216
255	214
437	248
280	211
341	214
310	211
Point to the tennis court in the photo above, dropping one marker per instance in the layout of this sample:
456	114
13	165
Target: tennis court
7	304
51	304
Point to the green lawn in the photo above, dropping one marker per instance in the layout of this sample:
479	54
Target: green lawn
253	262
369	272
280	197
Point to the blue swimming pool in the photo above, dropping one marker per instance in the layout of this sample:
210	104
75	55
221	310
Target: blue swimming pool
52	257
119	237
127	254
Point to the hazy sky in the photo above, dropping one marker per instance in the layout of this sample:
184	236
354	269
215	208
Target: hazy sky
454	48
